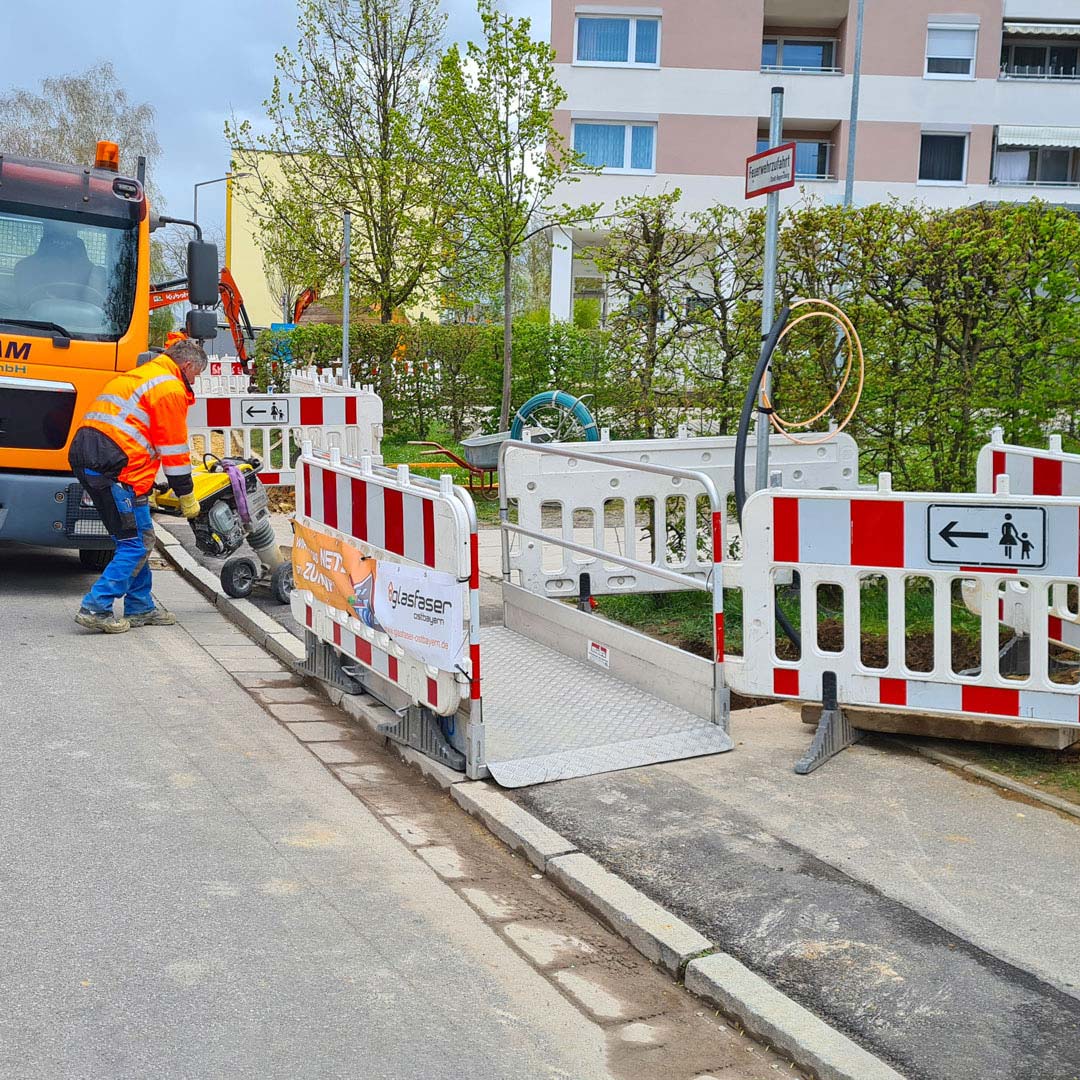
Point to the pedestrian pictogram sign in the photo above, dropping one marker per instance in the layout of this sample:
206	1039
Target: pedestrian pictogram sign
265	411
1007	536
771	170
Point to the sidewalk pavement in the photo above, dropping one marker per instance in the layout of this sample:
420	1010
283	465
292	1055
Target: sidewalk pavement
928	917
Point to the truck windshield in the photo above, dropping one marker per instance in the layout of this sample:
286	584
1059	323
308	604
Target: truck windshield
64	273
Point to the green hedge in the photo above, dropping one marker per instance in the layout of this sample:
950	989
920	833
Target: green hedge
448	376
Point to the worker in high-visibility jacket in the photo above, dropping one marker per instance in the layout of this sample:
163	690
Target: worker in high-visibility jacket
136	424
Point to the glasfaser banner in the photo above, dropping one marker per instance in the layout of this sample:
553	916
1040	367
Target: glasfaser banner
423	611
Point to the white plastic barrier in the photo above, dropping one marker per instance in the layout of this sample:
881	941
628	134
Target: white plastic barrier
274	427
621	511
313	380
1032	471
392	515
217	384
852	543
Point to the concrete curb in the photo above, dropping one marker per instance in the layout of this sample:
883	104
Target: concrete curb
770	1015
656	933
511	823
991	777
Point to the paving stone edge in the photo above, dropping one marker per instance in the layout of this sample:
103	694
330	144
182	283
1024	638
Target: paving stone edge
656	933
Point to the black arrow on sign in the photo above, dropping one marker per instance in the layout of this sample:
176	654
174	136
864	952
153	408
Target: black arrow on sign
252	411
949	532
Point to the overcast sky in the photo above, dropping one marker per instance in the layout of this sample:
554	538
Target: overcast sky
196	64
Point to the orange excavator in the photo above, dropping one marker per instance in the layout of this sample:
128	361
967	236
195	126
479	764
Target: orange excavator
232	305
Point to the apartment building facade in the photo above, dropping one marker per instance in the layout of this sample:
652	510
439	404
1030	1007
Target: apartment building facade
961	101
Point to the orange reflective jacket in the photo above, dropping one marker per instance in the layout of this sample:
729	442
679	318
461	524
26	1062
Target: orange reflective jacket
144	412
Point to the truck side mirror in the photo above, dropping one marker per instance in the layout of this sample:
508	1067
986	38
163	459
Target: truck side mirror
201	325
202	273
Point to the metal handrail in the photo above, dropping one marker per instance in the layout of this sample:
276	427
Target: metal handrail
715	502
714	585
631	564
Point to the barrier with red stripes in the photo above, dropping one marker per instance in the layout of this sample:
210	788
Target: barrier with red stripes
389	514
910	552
274	426
1031	471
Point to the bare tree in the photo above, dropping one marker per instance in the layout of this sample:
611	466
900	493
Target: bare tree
66	118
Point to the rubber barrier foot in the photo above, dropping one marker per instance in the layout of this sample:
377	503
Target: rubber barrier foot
420	729
323	662
834	731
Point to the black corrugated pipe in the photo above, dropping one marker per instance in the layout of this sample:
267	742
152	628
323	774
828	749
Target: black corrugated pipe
767	350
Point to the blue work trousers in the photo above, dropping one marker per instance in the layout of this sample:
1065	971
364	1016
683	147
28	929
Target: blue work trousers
128	573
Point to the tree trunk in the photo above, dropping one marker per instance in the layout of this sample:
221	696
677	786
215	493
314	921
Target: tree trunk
508	325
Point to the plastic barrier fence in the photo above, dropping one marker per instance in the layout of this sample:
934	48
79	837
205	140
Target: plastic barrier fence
908	552
313	380
645	517
391	515
1030	471
274	426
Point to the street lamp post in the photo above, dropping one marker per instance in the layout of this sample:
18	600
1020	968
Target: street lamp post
203	183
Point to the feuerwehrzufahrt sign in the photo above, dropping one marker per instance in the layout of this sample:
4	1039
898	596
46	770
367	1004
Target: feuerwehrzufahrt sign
771	170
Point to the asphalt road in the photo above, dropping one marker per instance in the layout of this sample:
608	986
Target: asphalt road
205	872
927	917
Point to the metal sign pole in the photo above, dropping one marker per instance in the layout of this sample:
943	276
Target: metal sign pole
768	295
346	374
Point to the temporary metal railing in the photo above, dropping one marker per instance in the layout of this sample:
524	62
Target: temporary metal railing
589	496
712	583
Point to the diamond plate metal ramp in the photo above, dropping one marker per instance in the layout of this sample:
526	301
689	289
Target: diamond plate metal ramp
547	717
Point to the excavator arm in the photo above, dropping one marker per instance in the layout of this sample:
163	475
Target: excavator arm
232	306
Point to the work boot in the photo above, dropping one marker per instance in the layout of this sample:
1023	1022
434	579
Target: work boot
154	617
105	621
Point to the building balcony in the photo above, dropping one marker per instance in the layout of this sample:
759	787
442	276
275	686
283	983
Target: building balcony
1041	52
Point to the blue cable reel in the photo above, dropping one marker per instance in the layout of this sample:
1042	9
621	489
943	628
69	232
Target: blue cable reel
560	416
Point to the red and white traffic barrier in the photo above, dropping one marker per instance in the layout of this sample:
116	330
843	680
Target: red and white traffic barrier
388	514
1020	550
274	427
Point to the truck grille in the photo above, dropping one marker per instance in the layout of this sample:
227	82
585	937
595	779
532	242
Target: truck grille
81	519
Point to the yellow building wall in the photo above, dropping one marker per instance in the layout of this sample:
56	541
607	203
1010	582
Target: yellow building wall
242	253
244	257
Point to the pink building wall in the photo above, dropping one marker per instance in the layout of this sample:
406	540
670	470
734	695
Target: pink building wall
894	38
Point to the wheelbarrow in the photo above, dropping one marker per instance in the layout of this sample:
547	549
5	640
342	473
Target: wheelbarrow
480	461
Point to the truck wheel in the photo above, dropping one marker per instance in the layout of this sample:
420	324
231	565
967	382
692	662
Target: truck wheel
238	576
95	559
281	582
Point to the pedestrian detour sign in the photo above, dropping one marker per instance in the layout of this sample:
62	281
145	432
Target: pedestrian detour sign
966	535
265	411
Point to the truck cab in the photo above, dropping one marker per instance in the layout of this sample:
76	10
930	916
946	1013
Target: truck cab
74	311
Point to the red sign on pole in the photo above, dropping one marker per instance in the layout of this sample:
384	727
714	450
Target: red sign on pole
771	170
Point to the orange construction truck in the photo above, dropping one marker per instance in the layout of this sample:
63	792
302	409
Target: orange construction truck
74	310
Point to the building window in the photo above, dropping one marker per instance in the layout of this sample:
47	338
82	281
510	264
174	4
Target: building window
813	158
813	55
617	147
622	40
1039	60
950	52
1052	166
943	159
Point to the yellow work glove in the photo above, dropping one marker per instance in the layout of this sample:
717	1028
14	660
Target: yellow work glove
189	505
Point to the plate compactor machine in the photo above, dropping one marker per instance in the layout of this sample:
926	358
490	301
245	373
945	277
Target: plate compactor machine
234	508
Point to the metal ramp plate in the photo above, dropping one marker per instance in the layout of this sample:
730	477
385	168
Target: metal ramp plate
547	717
